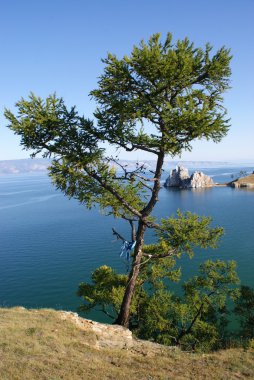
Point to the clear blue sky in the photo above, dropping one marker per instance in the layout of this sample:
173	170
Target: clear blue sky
56	45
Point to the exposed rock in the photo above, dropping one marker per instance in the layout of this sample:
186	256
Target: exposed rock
113	336
180	177
199	179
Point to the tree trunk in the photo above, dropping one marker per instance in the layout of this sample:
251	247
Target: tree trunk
124	314
133	231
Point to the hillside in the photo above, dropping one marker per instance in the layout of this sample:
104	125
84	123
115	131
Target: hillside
48	344
247	181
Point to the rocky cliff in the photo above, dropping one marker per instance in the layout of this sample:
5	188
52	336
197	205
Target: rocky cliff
180	177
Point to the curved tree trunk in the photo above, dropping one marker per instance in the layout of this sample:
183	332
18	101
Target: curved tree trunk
124	314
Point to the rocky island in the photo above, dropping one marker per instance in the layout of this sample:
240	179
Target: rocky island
180	178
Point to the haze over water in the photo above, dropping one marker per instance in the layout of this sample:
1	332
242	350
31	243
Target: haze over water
49	244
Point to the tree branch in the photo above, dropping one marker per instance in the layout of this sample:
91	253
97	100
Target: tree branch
106	312
120	237
162	255
114	192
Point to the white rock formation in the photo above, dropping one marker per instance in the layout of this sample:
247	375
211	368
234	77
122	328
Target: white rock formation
199	179
180	177
177	177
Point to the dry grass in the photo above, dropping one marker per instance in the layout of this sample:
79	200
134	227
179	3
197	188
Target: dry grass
37	344
248	179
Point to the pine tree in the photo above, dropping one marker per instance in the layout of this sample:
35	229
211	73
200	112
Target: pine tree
158	99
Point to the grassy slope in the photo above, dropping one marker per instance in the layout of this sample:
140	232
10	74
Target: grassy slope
37	344
248	179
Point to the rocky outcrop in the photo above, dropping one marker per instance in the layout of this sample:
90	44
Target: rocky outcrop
113	336
180	178
199	179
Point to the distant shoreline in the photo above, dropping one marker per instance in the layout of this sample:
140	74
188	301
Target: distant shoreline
40	165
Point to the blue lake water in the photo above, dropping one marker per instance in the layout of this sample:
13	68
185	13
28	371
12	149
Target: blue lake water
49	244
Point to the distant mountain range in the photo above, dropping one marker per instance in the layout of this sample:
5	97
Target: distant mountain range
24	166
40	165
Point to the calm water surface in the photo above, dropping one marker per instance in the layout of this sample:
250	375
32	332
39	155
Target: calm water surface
49	244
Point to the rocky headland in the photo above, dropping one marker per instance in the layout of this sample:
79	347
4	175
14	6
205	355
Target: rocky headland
180	178
247	181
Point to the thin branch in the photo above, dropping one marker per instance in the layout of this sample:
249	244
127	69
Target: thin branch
129	175
199	311
106	186
146	95
127	218
101	136
146	186
106	312
144	178
120	237
162	255
133	146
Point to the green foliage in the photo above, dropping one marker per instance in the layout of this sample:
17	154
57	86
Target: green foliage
213	281
175	237
176	87
81	184
79	169
106	292
48	126
245	311
188	230
155	312
195	320
158	266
